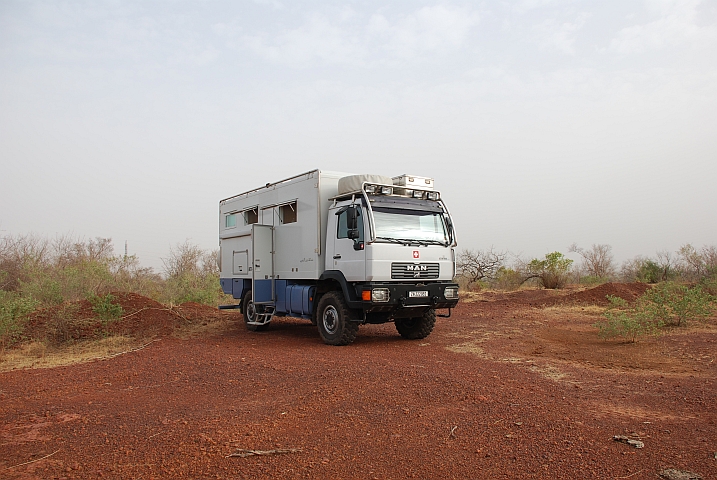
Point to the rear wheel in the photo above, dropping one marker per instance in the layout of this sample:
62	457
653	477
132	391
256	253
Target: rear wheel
250	313
334	320
417	328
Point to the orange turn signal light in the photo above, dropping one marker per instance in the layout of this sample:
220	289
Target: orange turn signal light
366	295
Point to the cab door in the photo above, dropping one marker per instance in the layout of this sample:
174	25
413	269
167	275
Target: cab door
349	255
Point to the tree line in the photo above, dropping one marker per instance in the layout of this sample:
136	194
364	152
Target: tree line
502	270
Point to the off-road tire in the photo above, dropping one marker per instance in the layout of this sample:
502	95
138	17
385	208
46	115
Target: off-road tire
249	310
417	328
334	320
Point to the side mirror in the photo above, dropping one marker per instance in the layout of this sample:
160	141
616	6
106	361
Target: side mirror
352	219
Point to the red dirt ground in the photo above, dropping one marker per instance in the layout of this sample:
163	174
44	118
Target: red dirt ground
505	388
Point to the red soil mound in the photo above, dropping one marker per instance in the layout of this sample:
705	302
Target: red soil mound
598	295
141	317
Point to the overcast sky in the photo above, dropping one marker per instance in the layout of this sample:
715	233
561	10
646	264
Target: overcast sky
543	122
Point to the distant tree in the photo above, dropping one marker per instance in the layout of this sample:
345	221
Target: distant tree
649	272
553	272
476	265
696	264
192	275
667	266
640	269
598	261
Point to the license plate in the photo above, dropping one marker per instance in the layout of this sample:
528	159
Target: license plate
420	293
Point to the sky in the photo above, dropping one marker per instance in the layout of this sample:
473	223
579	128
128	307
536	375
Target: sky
543	122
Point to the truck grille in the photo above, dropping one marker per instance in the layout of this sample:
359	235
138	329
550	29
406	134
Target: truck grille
411	271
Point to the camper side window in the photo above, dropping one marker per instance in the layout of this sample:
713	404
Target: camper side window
343	229
230	220
287	213
251	216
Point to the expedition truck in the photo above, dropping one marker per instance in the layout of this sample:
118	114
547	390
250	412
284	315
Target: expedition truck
340	250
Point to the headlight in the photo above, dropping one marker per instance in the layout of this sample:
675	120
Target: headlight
433	196
380	295
386	190
370	188
451	293
417	194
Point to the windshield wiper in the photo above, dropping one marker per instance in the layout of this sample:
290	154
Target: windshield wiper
411	241
435	242
391	239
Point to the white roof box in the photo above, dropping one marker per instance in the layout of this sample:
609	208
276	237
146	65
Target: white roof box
353	183
423	183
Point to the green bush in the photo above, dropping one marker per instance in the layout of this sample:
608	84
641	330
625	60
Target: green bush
41	286
61	325
13	311
675	304
553	271
192	275
105	307
666	304
192	287
507	279
709	282
627	322
649	272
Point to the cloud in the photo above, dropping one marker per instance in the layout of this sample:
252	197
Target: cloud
274	4
524	6
319	38
430	29
676	26
560	36
345	37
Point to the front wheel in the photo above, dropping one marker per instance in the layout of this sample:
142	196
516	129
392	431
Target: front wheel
417	328
250	313
334	320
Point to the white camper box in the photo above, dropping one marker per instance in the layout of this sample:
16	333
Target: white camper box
296	208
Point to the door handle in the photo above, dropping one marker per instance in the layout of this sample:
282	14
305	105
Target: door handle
336	257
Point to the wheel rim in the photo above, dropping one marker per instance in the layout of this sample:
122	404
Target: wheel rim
330	319
251	312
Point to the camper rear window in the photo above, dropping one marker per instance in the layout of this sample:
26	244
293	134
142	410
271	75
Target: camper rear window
287	213
251	216
230	220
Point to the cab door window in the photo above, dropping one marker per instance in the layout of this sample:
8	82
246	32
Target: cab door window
343	229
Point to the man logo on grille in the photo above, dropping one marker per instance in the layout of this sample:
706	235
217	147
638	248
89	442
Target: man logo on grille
417	268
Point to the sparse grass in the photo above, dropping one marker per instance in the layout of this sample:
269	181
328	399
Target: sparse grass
594	310
41	355
467	347
208	327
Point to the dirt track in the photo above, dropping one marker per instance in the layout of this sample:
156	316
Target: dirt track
506	388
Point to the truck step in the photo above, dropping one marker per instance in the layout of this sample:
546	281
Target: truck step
264	317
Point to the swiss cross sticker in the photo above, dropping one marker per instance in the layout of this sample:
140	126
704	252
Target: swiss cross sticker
416	254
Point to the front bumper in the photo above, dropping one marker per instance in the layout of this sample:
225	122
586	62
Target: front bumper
400	296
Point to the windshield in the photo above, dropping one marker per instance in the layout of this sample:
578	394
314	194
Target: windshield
399	224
